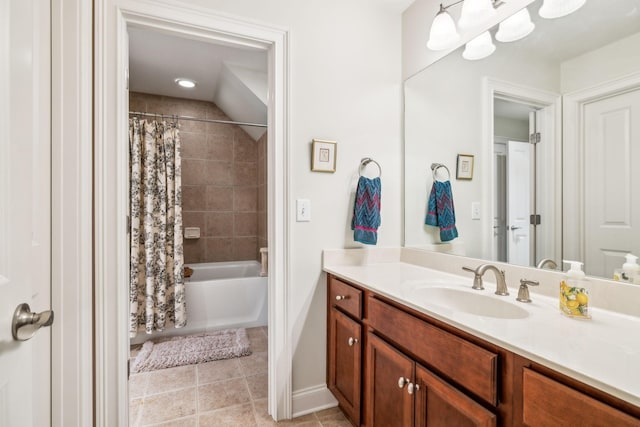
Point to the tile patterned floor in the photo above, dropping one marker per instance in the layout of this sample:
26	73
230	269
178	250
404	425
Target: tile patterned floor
222	393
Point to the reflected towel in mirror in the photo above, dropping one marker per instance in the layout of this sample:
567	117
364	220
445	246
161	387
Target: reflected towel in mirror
440	210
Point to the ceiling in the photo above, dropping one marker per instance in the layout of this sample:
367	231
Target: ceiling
234	78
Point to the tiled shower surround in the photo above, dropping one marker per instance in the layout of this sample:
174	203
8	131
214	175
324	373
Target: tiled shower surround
223	181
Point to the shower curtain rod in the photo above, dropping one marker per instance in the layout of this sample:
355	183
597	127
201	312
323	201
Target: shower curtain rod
196	119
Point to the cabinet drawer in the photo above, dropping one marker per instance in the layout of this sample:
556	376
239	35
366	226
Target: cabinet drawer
547	402
346	297
470	366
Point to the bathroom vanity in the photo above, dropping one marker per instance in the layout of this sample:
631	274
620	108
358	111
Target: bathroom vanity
404	349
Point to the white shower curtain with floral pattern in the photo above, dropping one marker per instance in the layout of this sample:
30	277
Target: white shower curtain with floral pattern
156	292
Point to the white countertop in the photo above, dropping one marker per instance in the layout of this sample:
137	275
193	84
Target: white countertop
603	352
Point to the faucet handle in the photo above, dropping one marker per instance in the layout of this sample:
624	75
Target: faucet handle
523	292
477	278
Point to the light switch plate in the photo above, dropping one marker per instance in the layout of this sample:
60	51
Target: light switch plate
303	210
475	210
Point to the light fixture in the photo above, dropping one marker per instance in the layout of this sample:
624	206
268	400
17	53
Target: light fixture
443	34
475	12
552	9
480	47
185	83
515	27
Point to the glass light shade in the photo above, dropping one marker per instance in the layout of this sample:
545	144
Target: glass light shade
515	27
475	12
558	8
443	34
480	47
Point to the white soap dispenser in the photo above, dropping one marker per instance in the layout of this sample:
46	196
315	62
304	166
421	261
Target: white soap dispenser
631	269
574	292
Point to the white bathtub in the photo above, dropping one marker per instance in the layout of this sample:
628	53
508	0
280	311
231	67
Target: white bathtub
221	295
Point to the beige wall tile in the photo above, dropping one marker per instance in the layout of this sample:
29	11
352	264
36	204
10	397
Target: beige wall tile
244	147
245	174
245	199
193	145
219	224
219	249
213	183
245	248
245	224
195	251
194	219
218	173
220	147
193	197
219	198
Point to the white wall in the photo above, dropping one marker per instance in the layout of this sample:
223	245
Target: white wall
443	118
601	65
346	87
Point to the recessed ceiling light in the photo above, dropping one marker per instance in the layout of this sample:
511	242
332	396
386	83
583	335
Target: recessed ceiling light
186	83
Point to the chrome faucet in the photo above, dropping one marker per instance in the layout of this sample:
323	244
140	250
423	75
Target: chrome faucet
501	284
547	261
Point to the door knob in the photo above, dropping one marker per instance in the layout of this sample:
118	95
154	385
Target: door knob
25	324
352	341
513	227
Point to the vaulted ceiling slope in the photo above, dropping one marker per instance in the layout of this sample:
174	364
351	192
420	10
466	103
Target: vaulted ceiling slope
233	78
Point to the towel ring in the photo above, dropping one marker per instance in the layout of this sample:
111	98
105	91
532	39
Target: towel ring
365	161
434	170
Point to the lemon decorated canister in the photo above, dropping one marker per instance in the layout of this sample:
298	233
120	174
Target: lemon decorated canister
574	292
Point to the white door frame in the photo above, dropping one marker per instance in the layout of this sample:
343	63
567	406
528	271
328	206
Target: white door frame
112	17
71	216
491	88
573	153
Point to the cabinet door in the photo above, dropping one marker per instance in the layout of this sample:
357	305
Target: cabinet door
345	363
547	402
388	400
438	404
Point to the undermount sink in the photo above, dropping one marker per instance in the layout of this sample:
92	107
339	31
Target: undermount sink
470	302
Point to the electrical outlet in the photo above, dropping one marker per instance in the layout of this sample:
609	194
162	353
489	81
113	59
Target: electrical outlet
475	210
303	210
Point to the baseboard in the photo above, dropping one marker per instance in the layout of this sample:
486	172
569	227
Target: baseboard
312	399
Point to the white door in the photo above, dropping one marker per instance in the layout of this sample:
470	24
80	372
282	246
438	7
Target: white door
612	201
518	202
25	271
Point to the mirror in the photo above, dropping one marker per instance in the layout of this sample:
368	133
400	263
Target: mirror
572	83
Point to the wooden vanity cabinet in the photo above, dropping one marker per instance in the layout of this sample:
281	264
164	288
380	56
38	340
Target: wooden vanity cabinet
401	392
344	346
547	402
390	365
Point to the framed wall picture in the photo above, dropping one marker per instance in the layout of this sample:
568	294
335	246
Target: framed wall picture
323	156
464	169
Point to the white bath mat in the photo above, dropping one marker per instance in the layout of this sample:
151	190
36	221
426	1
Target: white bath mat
190	349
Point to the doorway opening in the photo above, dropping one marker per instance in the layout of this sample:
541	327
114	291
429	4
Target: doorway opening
522	143
218	135
113	259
